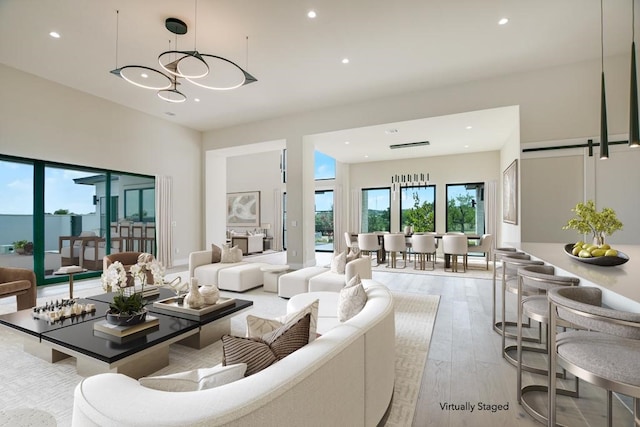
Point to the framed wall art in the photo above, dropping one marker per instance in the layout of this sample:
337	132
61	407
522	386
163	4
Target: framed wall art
243	209
510	193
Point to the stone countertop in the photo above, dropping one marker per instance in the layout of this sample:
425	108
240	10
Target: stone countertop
620	284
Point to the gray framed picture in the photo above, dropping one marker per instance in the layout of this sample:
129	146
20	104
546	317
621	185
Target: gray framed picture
243	209
510	193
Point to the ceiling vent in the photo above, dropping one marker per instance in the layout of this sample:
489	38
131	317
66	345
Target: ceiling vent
409	144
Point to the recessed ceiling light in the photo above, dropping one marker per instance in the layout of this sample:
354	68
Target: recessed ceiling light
503	21
346	142
54	34
466	146
144	75
469	127
196	99
312	14
345	60
366	156
390	131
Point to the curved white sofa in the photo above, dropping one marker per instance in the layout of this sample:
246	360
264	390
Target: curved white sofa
343	378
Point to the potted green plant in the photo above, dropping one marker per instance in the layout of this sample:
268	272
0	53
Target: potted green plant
589	221
20	246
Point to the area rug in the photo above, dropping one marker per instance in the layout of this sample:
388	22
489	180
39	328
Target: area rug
476	269
30	384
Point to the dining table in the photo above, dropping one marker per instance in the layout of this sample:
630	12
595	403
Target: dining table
382	253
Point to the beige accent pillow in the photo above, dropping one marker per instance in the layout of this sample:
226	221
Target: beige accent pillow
354	253
230	254
216	253
258	326
197	379
338	262
260	353
352	299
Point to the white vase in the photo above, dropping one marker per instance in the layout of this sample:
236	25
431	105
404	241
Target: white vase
210	293
194	298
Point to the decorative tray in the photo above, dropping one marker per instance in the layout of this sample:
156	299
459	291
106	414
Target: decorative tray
605	261
175	304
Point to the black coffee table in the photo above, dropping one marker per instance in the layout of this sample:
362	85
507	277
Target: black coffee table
142	355
211	326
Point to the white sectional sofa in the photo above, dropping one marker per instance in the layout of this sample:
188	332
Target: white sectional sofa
314	279
236	276
343	378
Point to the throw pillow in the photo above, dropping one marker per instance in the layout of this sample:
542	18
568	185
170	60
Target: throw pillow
258	326
197	379
354	253
230	254
338	262
260	353
236	254
352	299
216	253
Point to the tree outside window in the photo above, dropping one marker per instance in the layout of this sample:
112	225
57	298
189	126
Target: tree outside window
421	215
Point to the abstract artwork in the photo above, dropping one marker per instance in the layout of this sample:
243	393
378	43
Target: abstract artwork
510	193
243	209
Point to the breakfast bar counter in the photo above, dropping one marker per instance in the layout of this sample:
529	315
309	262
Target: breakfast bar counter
620	284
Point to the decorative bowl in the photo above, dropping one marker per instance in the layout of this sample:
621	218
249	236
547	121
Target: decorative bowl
605	261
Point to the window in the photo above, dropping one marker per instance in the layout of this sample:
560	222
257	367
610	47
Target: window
284	221
418	208
325	166
465	208
53	203
376	210
140	204
324	221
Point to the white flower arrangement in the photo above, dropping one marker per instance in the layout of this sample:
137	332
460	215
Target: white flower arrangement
147	263
114	278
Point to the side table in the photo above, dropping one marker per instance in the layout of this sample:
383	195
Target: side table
271	275
69	273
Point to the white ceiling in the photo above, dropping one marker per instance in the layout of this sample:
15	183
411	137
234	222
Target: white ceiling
393	47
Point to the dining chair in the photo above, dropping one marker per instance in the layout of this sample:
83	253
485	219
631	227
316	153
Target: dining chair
368	243
603	351
454	246
394	244
424	249
350	241
483	246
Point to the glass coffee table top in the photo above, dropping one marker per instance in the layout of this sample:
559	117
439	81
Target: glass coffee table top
83	339
25	321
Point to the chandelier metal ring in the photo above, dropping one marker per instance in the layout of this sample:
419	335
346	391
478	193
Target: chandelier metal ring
143	77
245	77
173	67
166	95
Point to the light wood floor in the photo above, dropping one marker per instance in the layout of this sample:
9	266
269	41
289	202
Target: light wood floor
465	364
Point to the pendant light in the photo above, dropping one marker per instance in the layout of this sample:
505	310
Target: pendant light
604	140
634	133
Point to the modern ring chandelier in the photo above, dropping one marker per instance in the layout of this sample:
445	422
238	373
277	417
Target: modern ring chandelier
201	69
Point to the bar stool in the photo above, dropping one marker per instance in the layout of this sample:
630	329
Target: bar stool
536	281
395	243
510	266
498	253
424	248
604	352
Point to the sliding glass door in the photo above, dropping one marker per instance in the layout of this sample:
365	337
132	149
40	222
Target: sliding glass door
324	221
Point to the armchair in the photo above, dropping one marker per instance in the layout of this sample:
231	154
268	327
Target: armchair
70	253
18	282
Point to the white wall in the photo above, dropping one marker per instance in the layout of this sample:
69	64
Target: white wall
443	170
555	103
43	120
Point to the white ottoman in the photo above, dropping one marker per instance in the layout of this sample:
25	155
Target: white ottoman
241	278
271	275
297	282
